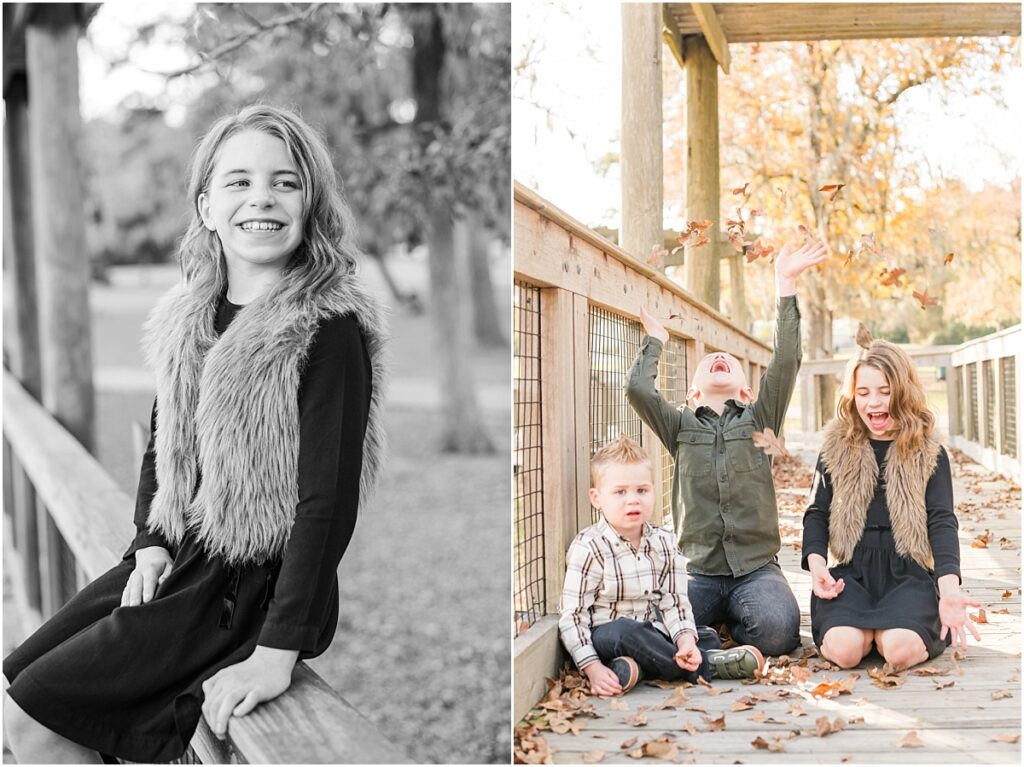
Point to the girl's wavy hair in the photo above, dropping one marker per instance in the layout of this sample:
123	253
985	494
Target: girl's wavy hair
327	251
908	406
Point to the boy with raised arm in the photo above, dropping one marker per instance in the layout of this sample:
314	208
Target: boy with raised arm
723	495
624	611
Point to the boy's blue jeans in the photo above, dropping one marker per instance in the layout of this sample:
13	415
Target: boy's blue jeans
758	608
652	650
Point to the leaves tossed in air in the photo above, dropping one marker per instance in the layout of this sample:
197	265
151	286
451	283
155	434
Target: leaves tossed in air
1007	737
891	277
980	617
832	190
924	299
868	242
981	541
770	443
948	259
694	235
741	189
1000	694
863	337
759	250
657	256
736	240
910	740
593	757
806	233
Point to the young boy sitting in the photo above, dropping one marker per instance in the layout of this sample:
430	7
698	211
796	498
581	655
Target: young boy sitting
723	495
624	611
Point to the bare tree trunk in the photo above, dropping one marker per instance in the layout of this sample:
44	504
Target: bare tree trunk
463	429
485	308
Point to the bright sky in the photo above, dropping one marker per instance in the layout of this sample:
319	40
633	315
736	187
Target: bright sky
577	49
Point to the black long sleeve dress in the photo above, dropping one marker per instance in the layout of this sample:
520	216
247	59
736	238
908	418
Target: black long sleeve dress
883	589
126	681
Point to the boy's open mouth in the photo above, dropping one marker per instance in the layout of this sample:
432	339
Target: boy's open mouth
878	421
719	366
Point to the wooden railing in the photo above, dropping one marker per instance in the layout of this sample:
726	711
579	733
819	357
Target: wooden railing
984	379
576	332
57	494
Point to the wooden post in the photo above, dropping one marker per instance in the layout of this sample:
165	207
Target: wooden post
62	265
740	312
702	184
19	253
953	405
558	420
642	174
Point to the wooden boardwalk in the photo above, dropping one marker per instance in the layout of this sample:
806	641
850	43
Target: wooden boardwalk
970	711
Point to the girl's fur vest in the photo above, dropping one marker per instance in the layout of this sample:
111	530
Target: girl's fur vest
227	411
854	472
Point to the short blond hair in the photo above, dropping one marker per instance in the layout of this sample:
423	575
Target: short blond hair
621	450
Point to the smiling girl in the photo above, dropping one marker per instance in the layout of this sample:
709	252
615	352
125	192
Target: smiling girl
883	503
267	438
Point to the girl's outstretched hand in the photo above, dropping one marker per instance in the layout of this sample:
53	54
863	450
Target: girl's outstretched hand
152	566
953	617
823	584
236	690
791	263
652	327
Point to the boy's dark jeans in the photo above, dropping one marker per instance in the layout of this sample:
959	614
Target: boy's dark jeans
652	650
758	608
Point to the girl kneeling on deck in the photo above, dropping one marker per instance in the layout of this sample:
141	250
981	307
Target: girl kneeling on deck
267	437
883	503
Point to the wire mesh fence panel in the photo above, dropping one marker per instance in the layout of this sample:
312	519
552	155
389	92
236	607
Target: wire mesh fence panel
1008	406
673	380
971	400
529	596
613	342
988	383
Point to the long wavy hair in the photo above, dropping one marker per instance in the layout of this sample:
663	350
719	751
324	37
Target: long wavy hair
908	406
327	252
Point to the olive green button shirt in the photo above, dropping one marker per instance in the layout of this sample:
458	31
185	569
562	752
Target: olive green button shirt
723	495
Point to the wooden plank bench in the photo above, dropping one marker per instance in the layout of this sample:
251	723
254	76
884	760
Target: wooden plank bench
309	724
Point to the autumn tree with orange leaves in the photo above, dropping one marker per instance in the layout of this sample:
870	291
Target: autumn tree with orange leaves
909	248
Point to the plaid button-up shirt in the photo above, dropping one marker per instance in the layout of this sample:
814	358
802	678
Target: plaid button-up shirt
607	579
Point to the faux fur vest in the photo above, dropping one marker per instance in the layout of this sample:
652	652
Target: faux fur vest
854	473
228	407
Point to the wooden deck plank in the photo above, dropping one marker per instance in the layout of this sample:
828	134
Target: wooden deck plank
955	725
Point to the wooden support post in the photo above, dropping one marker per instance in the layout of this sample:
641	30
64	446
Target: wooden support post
62	264
739	311
26	534
808	401
581	406
558	419
702	183
642	173
23	335
953	405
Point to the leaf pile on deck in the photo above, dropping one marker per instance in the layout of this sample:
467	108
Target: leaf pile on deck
568	697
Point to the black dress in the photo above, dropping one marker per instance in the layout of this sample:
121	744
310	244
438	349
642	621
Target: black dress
884	589
127	681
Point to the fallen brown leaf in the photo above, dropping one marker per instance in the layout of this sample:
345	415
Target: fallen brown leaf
1007	737
593	757
930	671
758	716
620	705
795	709
910	740
759	743
714	725
823	727
981	542
943	685
742	705
978	617
690	727
639	719
887	677
679	698
629	743
1000	694
1007	595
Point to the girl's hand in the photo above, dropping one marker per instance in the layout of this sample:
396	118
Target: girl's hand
823	584
236	690
790	264
687	655
152	566
602	679
652	327
953	617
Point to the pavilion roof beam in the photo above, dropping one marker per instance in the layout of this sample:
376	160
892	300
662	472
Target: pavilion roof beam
712	31
673	37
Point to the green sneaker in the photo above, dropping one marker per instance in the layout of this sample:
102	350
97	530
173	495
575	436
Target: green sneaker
742	662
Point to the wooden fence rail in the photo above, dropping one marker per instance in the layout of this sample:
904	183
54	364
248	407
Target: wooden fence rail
52	482
576	332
